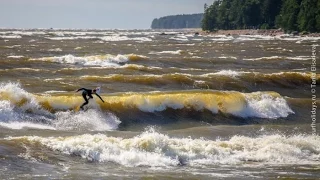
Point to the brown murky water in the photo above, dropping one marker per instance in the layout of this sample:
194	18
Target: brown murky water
177	106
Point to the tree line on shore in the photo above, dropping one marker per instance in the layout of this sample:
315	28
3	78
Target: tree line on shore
290	15
178	21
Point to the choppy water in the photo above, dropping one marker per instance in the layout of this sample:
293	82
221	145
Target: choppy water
177	106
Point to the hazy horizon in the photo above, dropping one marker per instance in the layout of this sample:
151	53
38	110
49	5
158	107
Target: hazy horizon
94	14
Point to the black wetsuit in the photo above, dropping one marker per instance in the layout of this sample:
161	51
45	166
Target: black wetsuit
85	93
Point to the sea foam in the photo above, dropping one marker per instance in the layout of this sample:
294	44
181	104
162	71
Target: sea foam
155	149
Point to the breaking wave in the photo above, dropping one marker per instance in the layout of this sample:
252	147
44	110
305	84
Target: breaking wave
258	104
20	109
157	150
98	60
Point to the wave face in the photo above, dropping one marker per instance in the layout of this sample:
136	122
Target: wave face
259	104
155	149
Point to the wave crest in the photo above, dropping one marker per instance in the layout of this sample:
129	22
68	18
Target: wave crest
97	60
155	149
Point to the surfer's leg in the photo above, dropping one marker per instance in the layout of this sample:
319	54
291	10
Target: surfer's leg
86	101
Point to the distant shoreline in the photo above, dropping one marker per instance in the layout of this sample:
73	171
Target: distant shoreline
265	32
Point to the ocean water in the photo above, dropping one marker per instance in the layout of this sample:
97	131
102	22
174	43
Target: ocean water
177	105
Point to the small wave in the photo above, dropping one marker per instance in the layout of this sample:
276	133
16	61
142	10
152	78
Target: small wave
229	73
72	38
24	33
98	60
25	125
177	52
11	37
52	91
221	38
13	46
154	149
15	57
298	58
125	38
112	38
288	75
55	50
180	38
227	57
163	78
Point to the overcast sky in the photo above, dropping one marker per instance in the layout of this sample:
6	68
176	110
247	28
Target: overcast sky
124	14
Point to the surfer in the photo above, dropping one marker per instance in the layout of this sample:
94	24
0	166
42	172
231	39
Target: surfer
89	92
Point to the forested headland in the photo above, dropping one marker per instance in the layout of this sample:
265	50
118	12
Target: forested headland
178	21
290	15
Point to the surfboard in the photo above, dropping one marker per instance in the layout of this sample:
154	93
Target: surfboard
76	109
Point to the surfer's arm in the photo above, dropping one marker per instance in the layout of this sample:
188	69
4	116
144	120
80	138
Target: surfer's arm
80	89
84	89
100	97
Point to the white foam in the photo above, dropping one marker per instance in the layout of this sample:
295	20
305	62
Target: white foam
222	38
11	113
157	150
298	58
197	39
13	118
13	46
227	57
180	38
111	38
229	73
17	94
52	91
55	50
99	60
11	37
218	36
256	37
125	38
193	44
6	111
90	120
265	106
15	57
262	58
177	52
297	38
72	38
25	125
26	33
